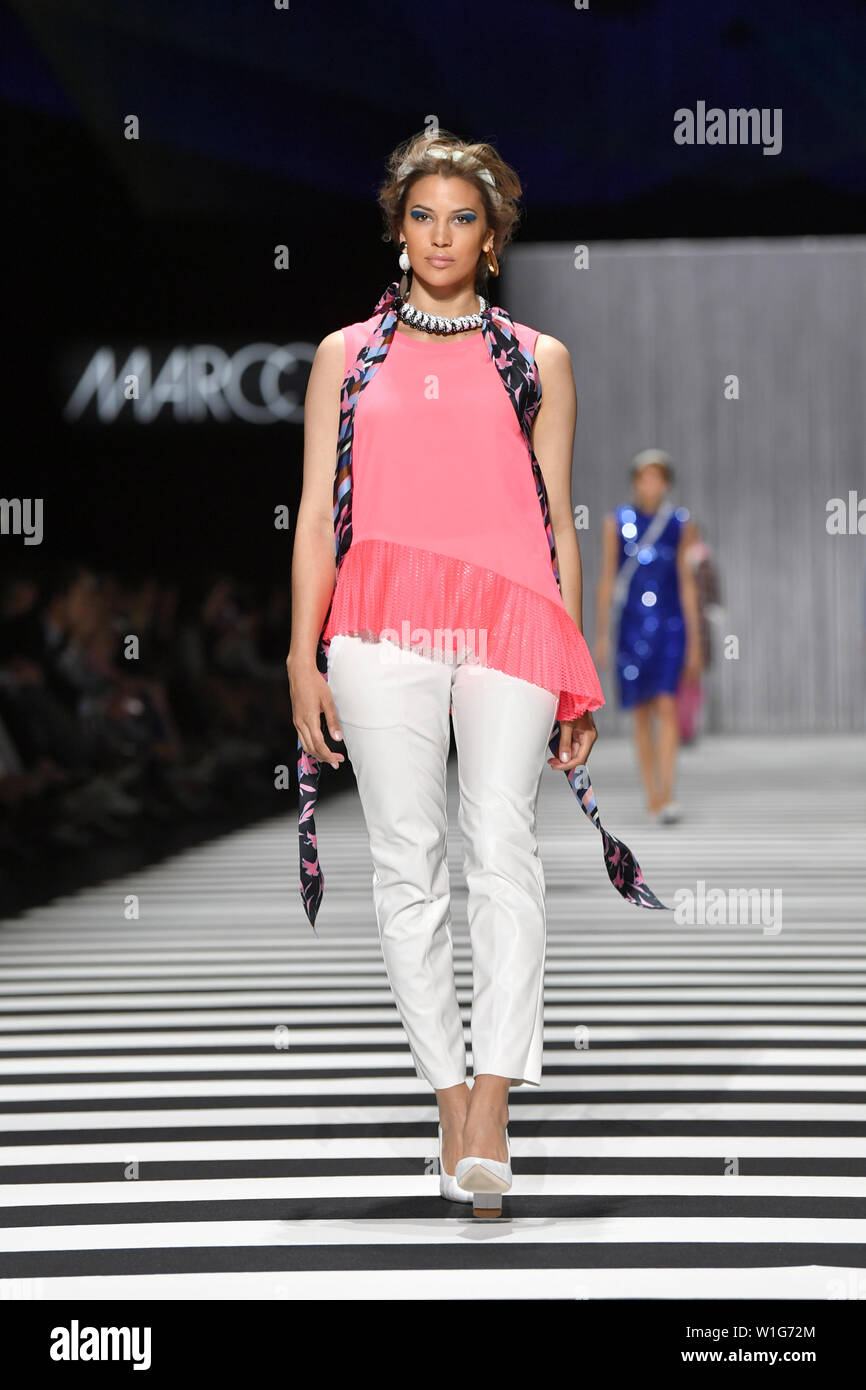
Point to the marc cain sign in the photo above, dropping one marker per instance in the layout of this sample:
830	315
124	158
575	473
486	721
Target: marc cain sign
259	383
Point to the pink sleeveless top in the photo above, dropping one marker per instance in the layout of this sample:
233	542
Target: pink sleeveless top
447	531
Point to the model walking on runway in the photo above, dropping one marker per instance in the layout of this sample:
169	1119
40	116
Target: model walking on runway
457	591
647	599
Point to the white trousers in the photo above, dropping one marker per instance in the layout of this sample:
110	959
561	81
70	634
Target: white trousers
393	708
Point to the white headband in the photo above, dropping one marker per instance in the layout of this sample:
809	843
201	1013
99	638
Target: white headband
437	152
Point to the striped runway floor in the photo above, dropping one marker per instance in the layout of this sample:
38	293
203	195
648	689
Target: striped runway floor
205	1101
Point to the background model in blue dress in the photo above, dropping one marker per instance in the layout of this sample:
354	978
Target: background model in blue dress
651	642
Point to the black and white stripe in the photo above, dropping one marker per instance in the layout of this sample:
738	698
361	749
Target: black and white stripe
271	1171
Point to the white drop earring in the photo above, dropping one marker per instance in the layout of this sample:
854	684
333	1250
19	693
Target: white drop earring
403	262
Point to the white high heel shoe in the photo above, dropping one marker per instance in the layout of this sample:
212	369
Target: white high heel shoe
487	1179
448	1186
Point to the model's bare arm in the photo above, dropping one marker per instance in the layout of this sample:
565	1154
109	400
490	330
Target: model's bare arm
313	566
553	442
690	603
604	590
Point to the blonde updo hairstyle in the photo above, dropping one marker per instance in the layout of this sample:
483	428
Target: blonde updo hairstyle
413	159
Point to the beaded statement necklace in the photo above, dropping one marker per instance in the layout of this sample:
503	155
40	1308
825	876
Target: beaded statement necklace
436	323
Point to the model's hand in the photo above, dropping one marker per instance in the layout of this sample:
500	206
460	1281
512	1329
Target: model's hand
311	696
576	737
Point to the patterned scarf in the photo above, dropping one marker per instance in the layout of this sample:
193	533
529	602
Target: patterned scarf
520	377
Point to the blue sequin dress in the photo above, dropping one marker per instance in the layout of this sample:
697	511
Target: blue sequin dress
651	641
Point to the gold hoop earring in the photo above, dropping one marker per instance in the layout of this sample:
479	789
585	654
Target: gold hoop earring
494	268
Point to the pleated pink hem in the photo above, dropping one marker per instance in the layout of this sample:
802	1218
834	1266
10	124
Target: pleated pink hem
438	605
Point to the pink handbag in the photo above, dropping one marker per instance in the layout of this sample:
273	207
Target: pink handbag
689	698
